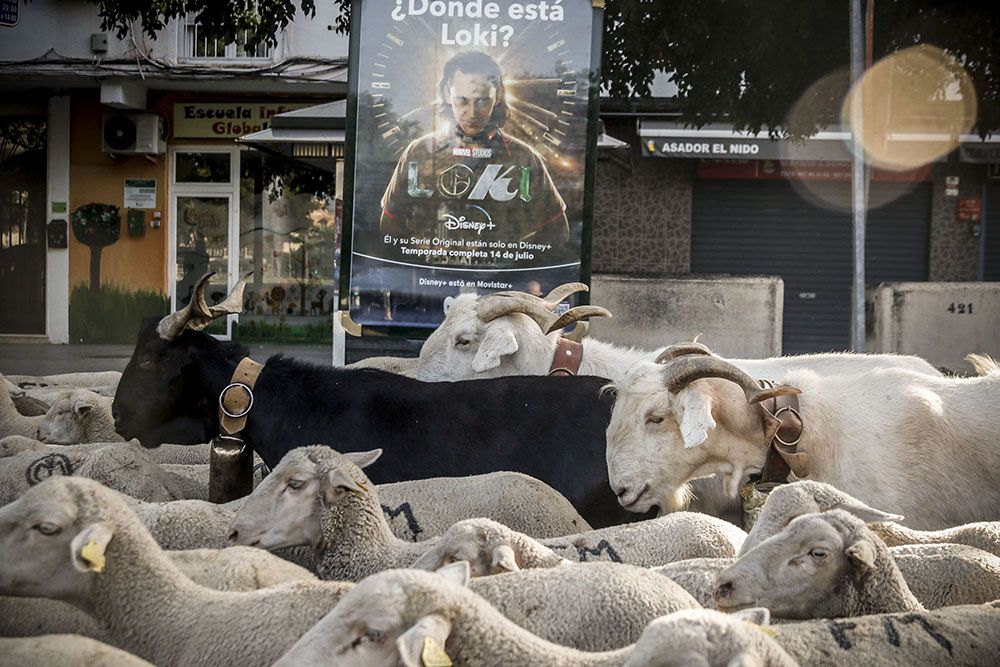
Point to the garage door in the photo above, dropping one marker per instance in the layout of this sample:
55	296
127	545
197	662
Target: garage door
767	227
991	258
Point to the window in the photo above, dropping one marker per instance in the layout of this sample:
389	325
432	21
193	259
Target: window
198	46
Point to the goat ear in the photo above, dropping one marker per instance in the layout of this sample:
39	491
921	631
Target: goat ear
88	547
862	552
498	342
696	421
865	513
423	644
504	559
337	482
363	459
457	573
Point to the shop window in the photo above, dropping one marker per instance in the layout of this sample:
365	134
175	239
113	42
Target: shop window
195	44
290	230
203	168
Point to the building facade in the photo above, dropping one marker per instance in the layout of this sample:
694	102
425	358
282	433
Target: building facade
121	181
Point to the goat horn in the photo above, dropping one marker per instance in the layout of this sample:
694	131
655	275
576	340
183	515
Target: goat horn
683	370
575	315
231	305
682	349
563	291
173	324
492	306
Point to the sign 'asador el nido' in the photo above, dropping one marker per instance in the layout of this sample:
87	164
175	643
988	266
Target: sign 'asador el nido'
471	125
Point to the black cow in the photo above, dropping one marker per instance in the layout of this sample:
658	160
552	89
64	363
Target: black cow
552	428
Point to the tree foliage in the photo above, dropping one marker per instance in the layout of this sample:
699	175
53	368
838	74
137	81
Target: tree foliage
741	62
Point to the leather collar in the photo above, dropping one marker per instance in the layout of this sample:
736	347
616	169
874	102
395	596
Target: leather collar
782	424
567	358
236	400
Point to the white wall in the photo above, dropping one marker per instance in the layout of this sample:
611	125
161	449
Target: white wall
65	26
57	189
739	317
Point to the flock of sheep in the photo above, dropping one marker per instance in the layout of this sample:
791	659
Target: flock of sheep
887	552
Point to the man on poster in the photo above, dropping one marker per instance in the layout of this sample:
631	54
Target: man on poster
470	179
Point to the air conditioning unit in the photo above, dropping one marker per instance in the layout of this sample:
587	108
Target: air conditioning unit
132	134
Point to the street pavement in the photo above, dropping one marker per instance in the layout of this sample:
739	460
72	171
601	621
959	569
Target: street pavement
45	359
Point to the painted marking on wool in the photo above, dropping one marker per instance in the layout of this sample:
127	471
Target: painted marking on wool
51	465
407	512
929	629
584	552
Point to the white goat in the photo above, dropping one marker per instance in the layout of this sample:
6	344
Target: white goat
906	442
505	334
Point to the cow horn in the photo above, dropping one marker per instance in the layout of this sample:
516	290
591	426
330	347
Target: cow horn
563	291
173	324
575	315
197	314
680	372
682	349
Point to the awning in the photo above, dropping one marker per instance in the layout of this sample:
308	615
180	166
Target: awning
670	139
314	135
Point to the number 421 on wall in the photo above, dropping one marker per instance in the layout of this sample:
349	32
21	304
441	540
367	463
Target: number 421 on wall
960	308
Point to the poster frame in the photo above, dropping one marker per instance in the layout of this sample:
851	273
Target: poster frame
350	152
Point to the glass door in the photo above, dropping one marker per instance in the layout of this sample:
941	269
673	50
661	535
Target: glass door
202	218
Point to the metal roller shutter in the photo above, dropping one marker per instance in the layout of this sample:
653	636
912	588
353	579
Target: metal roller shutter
991	258
767	227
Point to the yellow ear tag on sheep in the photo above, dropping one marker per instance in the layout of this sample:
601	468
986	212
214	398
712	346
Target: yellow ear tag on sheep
92	554
364	487
433	655
766	629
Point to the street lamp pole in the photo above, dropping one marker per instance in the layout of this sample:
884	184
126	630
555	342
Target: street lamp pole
858	179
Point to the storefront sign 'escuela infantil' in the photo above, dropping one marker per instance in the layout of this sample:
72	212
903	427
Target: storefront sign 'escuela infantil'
198	120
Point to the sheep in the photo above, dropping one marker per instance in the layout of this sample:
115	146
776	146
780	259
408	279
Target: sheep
945	575
118	574
122	578
707	637
788	501
320	497
169	454
491	547
824	565
64	650
966	635
415	510
926	452
78	415
119	466
229	569
408	617
13	422
84	380
972	575
29	406
697	576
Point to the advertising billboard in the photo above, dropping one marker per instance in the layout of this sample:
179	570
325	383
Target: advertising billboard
473	127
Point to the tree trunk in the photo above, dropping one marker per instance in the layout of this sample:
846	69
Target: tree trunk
95	268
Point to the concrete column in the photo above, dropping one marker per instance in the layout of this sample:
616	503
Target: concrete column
57	189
